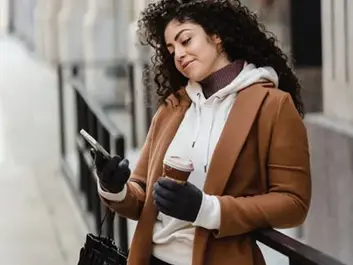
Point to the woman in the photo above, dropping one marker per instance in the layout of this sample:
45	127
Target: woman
232	105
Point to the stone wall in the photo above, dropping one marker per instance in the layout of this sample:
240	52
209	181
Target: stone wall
328	227
329	223
23	19
4	19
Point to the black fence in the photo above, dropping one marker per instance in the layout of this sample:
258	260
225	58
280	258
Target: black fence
91	117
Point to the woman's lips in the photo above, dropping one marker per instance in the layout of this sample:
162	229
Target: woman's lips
187	64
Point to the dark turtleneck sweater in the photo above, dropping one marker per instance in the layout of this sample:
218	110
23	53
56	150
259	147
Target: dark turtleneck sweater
221	78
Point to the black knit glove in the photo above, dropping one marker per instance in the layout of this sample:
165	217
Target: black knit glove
177	200
113	173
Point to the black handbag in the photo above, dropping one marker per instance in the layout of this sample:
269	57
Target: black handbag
99	250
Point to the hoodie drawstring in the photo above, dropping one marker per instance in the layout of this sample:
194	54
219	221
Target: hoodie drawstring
198	122
207	153
209	131
216	100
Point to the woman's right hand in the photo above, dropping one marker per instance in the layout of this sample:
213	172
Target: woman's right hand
113	173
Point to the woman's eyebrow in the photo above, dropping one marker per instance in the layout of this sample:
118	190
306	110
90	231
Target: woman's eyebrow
177	36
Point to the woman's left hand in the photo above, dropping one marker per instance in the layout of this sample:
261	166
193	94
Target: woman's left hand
181	201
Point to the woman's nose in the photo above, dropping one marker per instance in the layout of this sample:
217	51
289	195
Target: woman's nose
179	54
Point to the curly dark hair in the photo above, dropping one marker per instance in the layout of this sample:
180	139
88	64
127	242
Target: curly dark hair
242	36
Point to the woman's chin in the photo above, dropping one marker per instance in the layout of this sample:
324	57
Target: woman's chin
196	77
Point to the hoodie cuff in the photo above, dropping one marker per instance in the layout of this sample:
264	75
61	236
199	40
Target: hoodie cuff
118	197
209	215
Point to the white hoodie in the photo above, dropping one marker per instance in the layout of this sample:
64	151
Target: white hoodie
196	139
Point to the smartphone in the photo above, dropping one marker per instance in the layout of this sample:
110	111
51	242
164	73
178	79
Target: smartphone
93	142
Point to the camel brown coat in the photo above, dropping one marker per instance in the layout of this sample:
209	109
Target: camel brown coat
259	170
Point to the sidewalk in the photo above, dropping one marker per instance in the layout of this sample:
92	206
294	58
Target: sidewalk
40	223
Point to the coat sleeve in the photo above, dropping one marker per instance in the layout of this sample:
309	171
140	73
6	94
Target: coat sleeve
131	206
287	201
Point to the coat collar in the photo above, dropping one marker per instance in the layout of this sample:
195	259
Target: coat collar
235	132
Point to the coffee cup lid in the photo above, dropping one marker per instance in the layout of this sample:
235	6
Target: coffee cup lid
179	163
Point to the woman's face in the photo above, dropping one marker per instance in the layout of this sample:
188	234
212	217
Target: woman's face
196	55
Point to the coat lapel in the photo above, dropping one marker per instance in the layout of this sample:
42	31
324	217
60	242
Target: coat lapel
233	137
170	127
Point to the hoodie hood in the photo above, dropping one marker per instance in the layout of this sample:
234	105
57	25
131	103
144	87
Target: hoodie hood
205	111
247	77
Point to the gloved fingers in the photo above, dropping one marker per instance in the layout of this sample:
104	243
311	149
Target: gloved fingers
162	204
164	193
104	184
114	162
106	172
124	167
169	184
124	163
190	187
99	159
164	210
111	165
125	175
124	170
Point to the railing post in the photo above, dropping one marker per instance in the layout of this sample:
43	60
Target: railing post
92	130
132	105
60	76
79	124
122	222
104	140
148	101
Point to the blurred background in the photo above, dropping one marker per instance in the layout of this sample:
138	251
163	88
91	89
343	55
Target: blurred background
72	64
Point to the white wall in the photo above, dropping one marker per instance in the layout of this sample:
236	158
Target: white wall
4	12
337	30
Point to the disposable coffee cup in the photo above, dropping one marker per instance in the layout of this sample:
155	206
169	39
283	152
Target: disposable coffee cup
177	168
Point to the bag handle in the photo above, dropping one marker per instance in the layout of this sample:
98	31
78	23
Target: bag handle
107	213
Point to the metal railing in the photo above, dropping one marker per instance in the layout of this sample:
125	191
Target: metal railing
297	252
93	119
90	117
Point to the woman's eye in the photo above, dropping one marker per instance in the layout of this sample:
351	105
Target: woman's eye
186	41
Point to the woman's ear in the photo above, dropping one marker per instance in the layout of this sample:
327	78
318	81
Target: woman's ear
216	39
217	42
